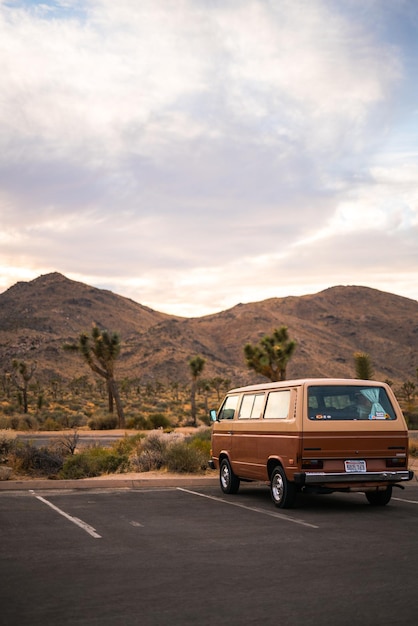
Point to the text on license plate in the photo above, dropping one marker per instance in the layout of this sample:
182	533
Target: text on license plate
355	466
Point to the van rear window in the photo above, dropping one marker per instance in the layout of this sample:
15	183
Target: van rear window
348	402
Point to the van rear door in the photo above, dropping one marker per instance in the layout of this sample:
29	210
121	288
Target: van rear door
352	429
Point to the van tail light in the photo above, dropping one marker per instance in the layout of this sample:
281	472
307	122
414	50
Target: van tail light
396	462
312	464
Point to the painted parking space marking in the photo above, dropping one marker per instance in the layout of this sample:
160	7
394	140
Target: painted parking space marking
255	509
405	500
86	527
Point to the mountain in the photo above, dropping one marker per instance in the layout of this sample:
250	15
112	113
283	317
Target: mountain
38	317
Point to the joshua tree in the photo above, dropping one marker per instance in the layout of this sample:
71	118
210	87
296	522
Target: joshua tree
271	355
219	383
196	364
363	365
100	351
25	372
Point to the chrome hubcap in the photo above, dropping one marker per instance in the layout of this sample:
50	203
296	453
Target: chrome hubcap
225	476
277	488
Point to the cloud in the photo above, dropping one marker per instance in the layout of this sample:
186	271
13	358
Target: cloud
192	153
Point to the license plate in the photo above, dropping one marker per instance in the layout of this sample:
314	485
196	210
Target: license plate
355	466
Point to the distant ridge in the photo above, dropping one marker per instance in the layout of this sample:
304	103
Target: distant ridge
37	317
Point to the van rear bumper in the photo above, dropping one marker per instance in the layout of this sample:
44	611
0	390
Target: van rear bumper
323	478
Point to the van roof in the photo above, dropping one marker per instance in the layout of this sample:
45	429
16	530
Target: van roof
308	381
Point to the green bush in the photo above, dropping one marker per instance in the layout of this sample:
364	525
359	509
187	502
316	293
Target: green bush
93	462
201	445
201	440
50	424
103	422
158	420
138	422
24	422
182	457
128	444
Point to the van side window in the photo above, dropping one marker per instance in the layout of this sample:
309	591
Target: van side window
277	404
228	408
251	406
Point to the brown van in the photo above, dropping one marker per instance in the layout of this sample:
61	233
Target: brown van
313	436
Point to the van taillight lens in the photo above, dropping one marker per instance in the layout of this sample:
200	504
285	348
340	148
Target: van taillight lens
396	462
312	464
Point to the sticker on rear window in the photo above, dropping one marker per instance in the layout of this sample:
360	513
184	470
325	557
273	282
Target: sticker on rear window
379	415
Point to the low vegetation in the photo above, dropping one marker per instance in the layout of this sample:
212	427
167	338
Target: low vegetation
157	450
83	403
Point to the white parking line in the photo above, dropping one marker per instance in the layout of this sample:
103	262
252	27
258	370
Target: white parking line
286	518
404	500
89	529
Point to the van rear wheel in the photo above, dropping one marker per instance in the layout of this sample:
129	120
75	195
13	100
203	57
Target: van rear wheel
283	492
379	498
229	481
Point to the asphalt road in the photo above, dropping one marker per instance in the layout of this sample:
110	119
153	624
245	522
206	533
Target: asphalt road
179	556
95	437
85	438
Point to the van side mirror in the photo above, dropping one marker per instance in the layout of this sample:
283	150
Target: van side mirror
213	415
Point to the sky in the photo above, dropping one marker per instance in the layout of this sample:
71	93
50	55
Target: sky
195	154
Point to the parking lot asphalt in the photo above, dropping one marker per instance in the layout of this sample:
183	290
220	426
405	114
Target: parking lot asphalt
157	556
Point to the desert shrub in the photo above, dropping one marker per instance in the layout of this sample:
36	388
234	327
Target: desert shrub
413	447
7	408
128	444
152	453
201	440
5	423
64	419
158	420
182	457
41	461
27	422
14	422
202	445
50	424
93	462
103	422
147	461
7	444
157	441
138	422
20	421
411	418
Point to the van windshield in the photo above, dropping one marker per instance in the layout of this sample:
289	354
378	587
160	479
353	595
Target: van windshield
348	402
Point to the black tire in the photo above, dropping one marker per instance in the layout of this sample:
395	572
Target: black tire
283	492
379	498
228	480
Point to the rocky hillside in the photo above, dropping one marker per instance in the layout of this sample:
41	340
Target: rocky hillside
38	317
